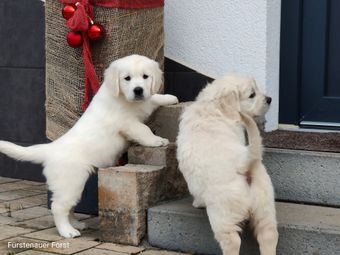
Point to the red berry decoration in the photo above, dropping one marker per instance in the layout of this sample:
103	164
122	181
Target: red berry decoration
74	39
96	32
68	11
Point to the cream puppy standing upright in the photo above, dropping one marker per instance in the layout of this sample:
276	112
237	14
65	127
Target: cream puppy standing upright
115	116
224	173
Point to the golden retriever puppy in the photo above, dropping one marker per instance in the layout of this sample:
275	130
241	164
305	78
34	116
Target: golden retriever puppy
115	116
220	155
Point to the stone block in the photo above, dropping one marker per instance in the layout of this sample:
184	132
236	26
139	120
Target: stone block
124	195
164	121
173	182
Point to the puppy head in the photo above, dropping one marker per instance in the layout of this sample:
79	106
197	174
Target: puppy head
237	94
252	101
134	77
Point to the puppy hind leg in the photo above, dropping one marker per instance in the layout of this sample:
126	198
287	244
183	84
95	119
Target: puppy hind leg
267	236
75	222
263	217
60	211
66	194
225	230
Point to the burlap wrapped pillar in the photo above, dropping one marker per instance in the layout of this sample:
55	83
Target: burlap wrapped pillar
128	31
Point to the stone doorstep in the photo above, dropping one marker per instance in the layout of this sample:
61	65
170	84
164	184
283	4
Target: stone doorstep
304	176
299	176
304	229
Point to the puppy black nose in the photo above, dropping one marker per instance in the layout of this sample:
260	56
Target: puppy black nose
138	91
268	100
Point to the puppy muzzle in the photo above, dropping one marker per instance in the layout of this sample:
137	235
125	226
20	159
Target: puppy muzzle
139	93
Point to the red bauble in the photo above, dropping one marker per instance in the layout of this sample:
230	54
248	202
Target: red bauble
96	32
68	11
74	39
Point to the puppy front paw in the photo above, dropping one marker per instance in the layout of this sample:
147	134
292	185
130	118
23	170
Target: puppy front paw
163	100
159	141
172	99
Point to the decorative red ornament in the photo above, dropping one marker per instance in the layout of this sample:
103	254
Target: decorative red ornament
69	10
96	32
74	39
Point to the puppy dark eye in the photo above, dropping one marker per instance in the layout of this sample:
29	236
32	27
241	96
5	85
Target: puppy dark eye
127	78
145	76
252	95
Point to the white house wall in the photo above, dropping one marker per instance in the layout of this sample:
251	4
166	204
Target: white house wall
215	37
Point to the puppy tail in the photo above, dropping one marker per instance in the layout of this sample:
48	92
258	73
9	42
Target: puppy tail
255	141
34	153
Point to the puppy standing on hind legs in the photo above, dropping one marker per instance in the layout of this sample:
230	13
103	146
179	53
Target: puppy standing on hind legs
223	172
115	116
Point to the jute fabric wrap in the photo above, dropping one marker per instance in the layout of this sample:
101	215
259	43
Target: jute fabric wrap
128	31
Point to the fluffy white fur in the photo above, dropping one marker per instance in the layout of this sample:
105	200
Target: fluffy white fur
223	173
114	117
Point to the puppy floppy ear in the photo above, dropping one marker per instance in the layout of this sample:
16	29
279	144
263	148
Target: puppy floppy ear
230	105
156	76
112	80
233	100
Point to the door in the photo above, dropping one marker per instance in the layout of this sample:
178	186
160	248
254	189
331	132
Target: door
310	63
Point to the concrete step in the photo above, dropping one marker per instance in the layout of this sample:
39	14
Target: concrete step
297	175
304	176
304	229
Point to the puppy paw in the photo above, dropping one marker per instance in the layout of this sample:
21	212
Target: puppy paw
159	142
172	99
79	225
68	232
164	99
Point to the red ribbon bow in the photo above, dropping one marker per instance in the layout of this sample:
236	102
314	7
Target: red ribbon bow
80	22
